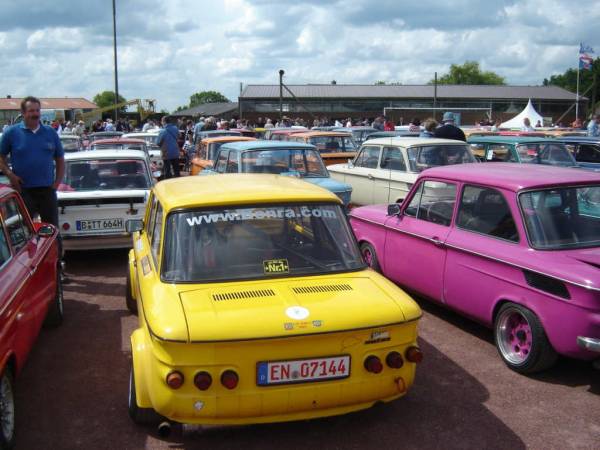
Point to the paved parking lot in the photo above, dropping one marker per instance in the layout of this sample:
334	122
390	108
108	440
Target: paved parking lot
73	391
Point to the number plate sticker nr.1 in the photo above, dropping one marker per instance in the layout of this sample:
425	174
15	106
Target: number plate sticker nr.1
270	373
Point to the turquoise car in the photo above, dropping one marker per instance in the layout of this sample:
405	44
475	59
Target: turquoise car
278	157
521	149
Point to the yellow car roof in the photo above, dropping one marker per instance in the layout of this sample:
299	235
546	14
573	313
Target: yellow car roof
237	189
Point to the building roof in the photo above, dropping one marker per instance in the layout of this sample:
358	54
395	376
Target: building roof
445	91
208	109
14	104
238	189
514	177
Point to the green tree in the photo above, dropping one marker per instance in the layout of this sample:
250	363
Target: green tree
469	73
200	98
107	98
568	80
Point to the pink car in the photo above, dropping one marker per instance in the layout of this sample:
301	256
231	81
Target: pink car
515	247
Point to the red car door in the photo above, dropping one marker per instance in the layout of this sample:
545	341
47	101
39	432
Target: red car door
415	252
27	300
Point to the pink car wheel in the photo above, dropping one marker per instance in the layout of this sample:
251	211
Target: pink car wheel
521	340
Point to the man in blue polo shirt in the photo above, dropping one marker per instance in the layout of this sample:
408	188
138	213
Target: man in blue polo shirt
167	141
34	150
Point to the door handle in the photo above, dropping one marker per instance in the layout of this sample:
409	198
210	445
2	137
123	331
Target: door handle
436	241
369	176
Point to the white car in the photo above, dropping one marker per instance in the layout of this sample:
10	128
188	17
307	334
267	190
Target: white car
385	169
151	138
101	191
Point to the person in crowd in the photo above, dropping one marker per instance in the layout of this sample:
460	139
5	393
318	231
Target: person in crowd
539	124
199	125
388	125
378	123
38	163
577	124
429	125
496	126
527	125
109	125
79	128
67	129
147	126
167	141
415	125
592	129
448	130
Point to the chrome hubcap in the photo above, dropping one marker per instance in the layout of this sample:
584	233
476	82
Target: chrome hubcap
514	337
7	408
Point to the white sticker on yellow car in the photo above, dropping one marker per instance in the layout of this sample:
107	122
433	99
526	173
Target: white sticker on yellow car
297	312
260	214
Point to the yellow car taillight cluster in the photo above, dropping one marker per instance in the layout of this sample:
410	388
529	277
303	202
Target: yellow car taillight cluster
202	380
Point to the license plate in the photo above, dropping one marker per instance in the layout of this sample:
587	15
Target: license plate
100	224
302	370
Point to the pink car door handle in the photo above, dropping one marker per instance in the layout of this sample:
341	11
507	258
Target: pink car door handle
436	241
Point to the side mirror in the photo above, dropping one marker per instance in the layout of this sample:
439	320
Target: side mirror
131	226
45	230
350	163
393	209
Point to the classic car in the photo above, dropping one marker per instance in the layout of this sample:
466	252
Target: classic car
521	149
514	247
384	134
269	131
585	150
255	306
281	158
104	135
71	142
213	134
207	151
283	134
30	295
120	144
151	139
359	134
335	146
385	169
102	189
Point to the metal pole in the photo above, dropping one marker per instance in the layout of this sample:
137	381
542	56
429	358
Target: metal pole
434	95
240	101
281	72
115	52
577	98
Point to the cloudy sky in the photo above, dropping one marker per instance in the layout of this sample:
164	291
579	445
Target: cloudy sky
172	48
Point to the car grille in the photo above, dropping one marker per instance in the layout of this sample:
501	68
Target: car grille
243	295
320	289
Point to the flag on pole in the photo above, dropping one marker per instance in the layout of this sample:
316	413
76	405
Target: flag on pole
585	58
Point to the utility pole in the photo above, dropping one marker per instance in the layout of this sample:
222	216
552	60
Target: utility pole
115	52
281	73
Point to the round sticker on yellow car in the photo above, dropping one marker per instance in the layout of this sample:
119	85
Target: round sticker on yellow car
297	312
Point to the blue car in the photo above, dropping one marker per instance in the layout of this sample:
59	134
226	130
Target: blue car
278	157
585	150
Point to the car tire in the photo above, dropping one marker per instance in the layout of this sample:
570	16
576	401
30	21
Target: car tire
370	256
521	340
129	300
55	314
7	411
140	416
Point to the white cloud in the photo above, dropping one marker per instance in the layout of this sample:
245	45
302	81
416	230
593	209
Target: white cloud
169	50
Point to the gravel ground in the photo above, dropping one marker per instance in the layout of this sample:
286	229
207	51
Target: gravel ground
72	393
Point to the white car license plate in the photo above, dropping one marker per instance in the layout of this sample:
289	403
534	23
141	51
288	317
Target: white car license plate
100	224
302	370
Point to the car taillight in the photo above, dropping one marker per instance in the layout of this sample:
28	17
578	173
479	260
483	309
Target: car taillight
66	226
394	360
230	379
414	354
174	379
373	364
202	380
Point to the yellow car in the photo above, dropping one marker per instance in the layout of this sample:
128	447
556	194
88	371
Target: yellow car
255	306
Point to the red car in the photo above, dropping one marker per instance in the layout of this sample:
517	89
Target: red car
30	295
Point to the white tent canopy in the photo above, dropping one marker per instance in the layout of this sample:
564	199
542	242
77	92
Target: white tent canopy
529	112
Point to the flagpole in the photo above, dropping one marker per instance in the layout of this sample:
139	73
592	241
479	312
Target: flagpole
577	95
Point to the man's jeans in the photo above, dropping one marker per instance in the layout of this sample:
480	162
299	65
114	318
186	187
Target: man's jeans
43	201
